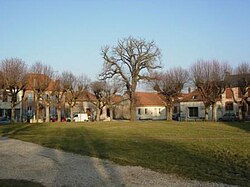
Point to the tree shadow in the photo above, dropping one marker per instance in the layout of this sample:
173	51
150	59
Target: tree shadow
175	158
11	130
18	183
219	165
51	167
240	125
204	165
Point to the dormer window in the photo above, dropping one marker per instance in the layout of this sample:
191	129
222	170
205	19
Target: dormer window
194	97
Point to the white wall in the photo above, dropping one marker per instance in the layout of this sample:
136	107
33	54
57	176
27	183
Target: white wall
153	112
184	110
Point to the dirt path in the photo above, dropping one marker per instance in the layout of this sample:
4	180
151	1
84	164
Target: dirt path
28	161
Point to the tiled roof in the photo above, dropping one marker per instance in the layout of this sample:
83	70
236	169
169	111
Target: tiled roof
86	96
148	99
191	97
31	78
117	99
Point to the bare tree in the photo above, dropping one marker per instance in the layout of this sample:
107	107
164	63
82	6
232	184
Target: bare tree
75	86
1	80
98	88
14	80
59	89
112	88
209	78
169	84
131	60
241	79
40	80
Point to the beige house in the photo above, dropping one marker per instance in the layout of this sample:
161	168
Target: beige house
5	105
149	106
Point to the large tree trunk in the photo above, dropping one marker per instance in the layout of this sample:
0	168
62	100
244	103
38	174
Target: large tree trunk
206	113
132	107
244	110
59	112
98	111
169	113
240	111
21	111
71	113
12	112
47	113
37	110
111	113
214	116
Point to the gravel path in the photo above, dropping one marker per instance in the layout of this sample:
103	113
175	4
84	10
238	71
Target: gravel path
28	161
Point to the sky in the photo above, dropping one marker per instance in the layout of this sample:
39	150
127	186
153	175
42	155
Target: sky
69	34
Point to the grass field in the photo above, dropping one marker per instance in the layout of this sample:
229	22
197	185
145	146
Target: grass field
208	151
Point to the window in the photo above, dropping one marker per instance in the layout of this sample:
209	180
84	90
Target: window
194	97
146	111
193	111
229	106
139	111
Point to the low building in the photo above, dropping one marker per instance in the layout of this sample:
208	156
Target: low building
149	106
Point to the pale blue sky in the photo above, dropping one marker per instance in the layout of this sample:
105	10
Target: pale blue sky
69	34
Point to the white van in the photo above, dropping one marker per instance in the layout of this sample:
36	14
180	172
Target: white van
80	117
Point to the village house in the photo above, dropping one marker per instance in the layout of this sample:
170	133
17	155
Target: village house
5	105
149	105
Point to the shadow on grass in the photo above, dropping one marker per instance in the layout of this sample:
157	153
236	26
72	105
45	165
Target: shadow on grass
18	183
169	156
241	125
174	158
14	129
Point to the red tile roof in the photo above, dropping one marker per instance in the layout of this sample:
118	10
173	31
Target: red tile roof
148	99
32	78
192	97
86	96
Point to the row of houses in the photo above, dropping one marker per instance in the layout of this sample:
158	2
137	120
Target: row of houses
188	106
149	105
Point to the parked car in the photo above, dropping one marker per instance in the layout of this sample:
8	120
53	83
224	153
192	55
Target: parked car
80	117
4	120
229	116
176	117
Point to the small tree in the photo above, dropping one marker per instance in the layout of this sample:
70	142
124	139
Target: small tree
14	80
131	61
111	89
75	86
209	78
98	89
169	84
40	79
61	86
241	79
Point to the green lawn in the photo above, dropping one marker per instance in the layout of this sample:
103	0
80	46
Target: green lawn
217	152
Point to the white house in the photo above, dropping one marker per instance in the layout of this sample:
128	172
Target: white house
191	107
149	106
